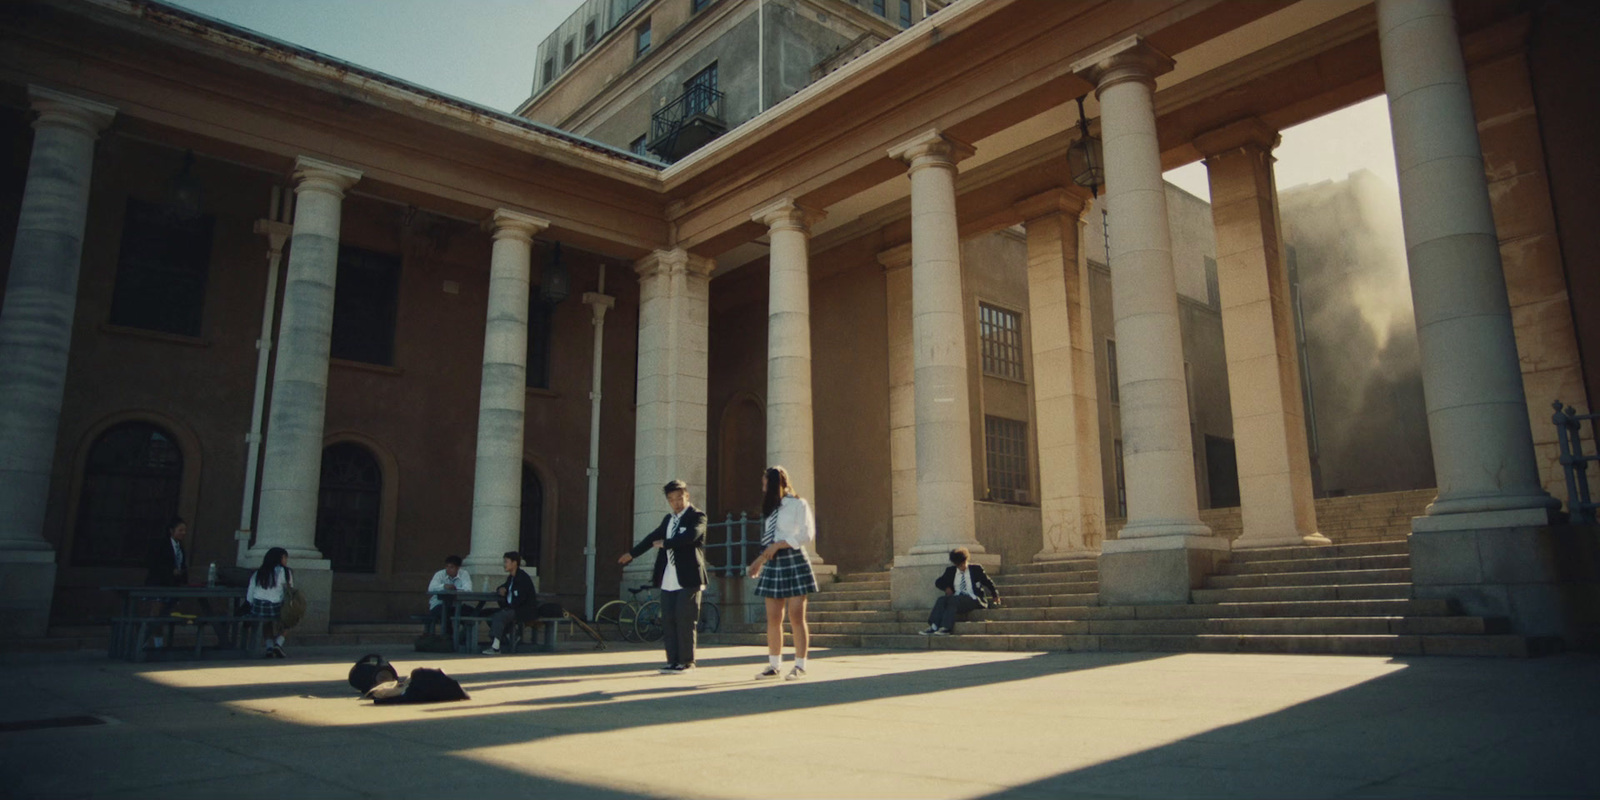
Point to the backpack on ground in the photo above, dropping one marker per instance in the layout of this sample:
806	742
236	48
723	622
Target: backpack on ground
369	671
424	686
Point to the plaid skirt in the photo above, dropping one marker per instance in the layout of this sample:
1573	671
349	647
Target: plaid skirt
788	574
264	608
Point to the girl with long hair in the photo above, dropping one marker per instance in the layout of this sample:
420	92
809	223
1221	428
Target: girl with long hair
783	570
265	595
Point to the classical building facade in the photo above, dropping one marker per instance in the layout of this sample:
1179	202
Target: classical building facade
310	306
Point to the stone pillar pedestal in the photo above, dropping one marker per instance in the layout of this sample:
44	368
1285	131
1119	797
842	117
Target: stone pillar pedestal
790	432
292	468
35	337
902	399
1071	492
945	517
1164	550
1275	491
497	480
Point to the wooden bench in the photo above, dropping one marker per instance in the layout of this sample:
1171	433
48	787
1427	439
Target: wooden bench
128	634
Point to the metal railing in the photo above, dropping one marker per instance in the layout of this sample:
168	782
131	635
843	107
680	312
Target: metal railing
732	544
667	123
1569	433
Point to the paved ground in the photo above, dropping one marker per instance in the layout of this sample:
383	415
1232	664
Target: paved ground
923	724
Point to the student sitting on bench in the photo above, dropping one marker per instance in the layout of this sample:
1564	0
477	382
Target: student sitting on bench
518	603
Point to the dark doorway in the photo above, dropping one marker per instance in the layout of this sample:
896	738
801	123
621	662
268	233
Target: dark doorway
1222	472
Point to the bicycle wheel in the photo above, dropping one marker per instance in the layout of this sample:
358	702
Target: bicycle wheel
615	619
649	622
710	617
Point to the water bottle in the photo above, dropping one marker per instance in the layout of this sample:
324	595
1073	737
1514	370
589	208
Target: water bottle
211	575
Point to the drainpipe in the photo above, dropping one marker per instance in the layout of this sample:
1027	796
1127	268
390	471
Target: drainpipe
761	56
598	301
277	230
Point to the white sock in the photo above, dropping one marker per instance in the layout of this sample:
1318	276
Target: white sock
776	662
496	645
800	662
279	640
157	641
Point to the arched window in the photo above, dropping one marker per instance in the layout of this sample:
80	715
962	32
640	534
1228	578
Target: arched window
131	483
532	526
348	507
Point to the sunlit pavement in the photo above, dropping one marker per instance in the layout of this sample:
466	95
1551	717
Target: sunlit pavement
924	724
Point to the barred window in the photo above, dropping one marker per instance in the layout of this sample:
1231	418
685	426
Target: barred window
1111	371
161	270
365	304
348	506
1006	445
131	483
1001	334
641	39
1122	482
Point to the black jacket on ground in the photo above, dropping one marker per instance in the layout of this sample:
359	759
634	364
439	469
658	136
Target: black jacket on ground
688	548
980	582
521	595
162	563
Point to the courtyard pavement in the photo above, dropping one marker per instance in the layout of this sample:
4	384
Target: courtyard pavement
917	724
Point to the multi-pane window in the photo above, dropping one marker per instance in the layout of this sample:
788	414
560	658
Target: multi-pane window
161	270
131	482
1006	445
588	34
364	306
641	39
539	318
700	91
549	70
1111	371
878	8
696	5
1000	333
348	507
566	54
905	13
638	146
1121	479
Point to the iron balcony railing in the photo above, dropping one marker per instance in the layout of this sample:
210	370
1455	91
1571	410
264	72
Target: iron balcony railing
699	105
732	544
1569	433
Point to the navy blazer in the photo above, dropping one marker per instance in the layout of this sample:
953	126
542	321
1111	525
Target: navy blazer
980	582
688	548
162	563
521	595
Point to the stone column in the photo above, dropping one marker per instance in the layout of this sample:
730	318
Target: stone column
1485	541
497	479
35	337
1275	492
670	410
902	399
292	468
790	438
1164	550
1071	489
945	517
1477	414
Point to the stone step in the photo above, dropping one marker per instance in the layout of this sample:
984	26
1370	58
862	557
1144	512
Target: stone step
1064	576
1385	548
1050	566
1017	601
1314	608
1334	578
1300	626
848	605
1316	564
856	586
1361	591
975	628
1354	644
1037	589
836	595
865	577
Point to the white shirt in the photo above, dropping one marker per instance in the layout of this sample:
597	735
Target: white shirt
273	595
462	582
177	553
964	583
669	579
795	523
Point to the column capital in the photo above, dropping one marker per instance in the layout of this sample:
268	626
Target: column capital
931	147
600	302
671	262
1069	201
1131	59
515	225
58	109
786	214
1246	134
895	258
315	175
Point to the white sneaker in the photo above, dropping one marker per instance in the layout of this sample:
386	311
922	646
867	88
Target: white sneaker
491	651
669	669
795	674
941	632
928	631
769	673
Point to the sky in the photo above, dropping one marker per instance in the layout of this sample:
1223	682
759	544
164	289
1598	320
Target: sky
485	51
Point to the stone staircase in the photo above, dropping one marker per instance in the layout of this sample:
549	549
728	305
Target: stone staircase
1352	599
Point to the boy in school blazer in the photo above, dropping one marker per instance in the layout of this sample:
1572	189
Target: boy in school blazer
964	586
680	573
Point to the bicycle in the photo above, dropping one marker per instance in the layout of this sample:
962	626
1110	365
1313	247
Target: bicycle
649	620
623	616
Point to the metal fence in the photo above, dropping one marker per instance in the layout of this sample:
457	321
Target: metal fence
732	544
1569	433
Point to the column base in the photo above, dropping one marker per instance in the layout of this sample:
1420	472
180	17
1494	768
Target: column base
1157	570
27	587
315	581
1544	579
1435	521
912	576
1053	556
1247	542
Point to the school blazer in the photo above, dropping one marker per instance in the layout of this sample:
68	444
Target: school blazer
688	548
980	582
161	564
521	595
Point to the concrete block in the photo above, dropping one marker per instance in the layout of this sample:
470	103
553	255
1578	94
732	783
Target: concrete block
1445	557
1149	577
27	585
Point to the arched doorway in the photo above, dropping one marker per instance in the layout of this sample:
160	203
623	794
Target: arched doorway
349	504
530	540
132	480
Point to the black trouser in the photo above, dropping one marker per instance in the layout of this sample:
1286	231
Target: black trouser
680	622
500	624
947	607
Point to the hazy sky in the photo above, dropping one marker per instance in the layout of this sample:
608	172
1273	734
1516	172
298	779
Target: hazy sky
485	51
